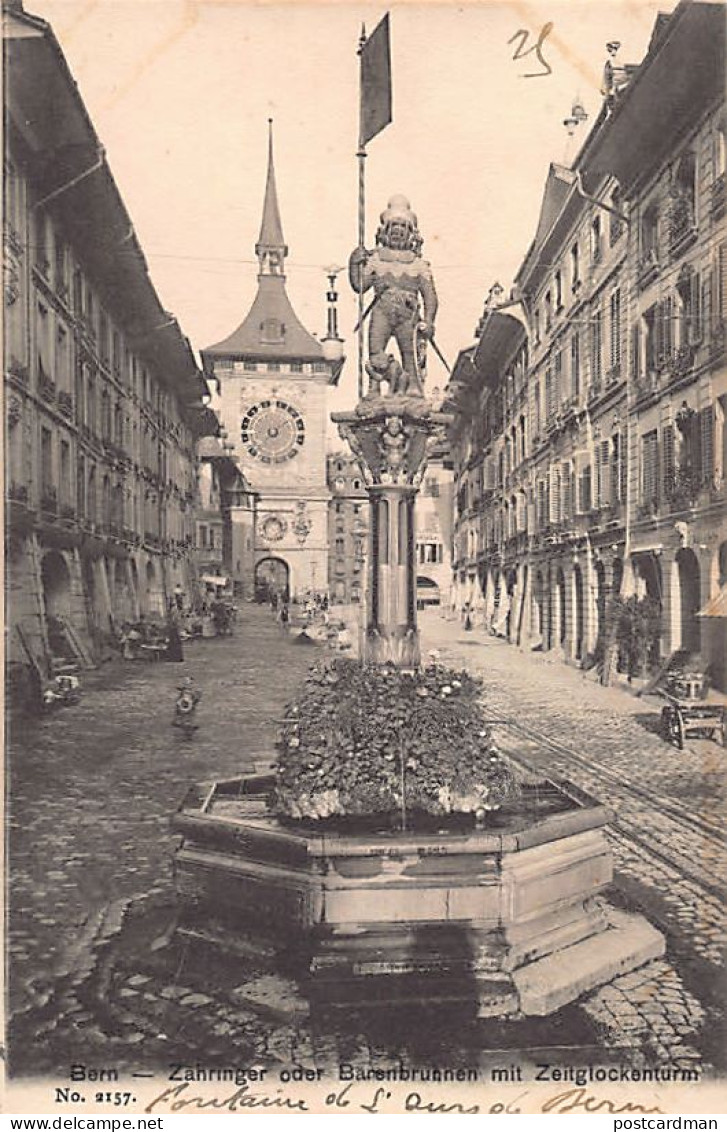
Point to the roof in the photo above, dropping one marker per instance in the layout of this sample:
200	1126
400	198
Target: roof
557	186
501	336
682	74
47	122
209	448
254	336
271	228
271	331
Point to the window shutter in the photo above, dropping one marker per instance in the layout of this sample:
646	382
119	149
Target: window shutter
706	448
668	468
565	504
668	328
575	364
584	490
605	478
555	494
658	333
635	351
720	297
707	302
695	333
649	447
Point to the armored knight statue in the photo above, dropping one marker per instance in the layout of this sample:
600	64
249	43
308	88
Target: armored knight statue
405	299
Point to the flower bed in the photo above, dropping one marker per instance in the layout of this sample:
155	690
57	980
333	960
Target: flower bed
369	741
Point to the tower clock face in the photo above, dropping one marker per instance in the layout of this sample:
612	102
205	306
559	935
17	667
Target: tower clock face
272	431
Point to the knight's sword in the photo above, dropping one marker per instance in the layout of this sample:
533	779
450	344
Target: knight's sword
366	313
440	355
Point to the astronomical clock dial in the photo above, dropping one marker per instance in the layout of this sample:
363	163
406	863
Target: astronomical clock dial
272	431
273	528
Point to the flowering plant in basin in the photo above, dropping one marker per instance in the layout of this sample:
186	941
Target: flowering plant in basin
378	740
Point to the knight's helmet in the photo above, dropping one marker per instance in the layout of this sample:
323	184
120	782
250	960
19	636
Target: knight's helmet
399	211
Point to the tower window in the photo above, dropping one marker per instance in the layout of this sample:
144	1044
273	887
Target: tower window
272	330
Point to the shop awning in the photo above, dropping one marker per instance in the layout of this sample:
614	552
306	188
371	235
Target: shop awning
716	606
213	580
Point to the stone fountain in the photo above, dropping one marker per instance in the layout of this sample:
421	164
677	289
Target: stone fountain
507	918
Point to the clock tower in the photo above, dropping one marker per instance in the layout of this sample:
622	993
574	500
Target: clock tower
272	377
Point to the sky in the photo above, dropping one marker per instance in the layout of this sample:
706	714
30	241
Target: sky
180	92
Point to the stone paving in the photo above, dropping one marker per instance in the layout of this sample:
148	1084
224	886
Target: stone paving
92	788
669	849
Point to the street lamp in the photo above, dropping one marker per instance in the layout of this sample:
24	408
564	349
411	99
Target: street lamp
332	343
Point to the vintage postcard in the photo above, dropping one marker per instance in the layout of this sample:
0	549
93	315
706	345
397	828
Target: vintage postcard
365	557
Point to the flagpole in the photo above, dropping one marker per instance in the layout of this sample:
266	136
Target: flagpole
361	155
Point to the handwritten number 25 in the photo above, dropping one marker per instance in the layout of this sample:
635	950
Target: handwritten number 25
522	36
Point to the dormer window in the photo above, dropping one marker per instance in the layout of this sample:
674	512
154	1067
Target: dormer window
575	267
650	231
548	311
596	244
272	331
682	206
616	225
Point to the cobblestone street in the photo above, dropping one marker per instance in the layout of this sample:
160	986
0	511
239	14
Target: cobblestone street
92	788
667	837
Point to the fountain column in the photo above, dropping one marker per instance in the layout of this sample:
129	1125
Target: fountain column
390	436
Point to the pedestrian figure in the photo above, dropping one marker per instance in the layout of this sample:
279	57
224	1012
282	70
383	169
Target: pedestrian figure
284	617
185	706
173	650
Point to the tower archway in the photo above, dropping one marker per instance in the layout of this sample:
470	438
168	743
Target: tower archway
272	576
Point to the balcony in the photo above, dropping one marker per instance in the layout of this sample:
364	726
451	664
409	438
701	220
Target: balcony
46	387
683	490
65	404
647	268
681	362
18	371
717	341
682	225
17	492
49	500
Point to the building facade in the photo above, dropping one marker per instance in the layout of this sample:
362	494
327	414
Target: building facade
347	530
102	392
225	549
589	442
273	378
433	512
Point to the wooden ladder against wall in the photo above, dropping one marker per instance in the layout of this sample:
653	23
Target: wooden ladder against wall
34	662
77	646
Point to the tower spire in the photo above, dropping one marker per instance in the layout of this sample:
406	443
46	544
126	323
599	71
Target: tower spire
271	248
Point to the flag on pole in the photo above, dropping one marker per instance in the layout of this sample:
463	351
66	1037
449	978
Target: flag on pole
375	82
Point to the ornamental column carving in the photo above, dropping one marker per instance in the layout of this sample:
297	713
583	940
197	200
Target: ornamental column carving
391	438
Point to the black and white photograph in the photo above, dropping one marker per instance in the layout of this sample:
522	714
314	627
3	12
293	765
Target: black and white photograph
365	381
